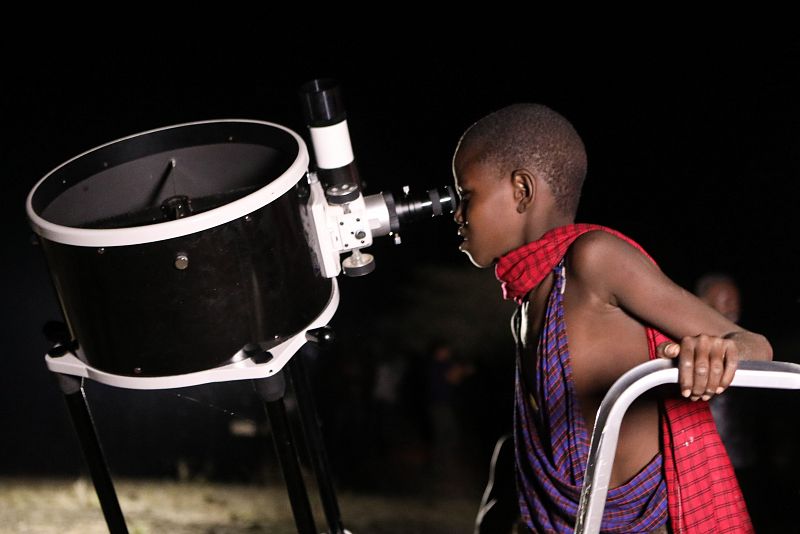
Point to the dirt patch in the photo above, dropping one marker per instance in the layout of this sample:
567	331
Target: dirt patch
45	506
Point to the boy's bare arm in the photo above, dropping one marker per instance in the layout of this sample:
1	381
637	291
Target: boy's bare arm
708	345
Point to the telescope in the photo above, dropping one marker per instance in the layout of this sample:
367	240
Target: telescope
176	251
348	218
208	252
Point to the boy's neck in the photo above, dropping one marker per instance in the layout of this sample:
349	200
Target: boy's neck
538	226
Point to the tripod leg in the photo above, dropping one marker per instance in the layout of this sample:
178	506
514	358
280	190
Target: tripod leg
82	420
272	390
316	446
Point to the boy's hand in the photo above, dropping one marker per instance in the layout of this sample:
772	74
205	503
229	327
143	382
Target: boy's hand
706	364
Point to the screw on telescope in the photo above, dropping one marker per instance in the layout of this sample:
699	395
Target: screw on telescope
181	261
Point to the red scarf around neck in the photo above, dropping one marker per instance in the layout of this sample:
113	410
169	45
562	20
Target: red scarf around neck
703	494
524	268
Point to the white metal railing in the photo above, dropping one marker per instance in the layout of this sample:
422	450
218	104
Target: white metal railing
642	378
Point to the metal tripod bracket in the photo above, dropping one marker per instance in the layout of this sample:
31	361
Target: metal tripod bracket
243	369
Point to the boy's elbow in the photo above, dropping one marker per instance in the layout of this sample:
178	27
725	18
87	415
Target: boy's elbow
752	346
762	349
767	349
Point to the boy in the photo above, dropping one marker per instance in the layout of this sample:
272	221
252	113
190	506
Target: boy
519	173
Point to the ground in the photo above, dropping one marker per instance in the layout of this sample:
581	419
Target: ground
63	506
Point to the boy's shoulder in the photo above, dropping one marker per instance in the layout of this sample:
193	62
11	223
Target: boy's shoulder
599	249
603	261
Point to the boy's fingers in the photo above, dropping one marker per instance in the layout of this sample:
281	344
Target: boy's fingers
731	364
668	349
699	354
706	364
716	366
686	366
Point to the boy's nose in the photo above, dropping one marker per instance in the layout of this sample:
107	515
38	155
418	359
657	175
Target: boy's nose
457	217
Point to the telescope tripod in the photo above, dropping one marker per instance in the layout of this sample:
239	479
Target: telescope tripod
272	390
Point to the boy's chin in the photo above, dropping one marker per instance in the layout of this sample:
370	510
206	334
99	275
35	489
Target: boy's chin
478	262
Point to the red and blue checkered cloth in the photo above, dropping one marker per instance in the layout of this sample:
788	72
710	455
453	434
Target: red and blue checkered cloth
552	443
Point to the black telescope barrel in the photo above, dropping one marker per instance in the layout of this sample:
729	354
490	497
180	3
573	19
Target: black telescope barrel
323	110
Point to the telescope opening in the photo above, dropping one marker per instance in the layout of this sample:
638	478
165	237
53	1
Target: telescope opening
126	183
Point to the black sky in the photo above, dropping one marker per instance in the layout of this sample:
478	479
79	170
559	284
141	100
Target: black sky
694	150
693	147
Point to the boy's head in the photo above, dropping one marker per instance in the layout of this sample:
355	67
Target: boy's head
507	162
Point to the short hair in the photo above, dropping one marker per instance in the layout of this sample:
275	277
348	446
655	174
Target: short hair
537	138
707	281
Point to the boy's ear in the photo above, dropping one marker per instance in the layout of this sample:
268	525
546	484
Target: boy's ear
524	188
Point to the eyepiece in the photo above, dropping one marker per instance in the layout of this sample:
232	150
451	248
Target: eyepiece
432	203
388	212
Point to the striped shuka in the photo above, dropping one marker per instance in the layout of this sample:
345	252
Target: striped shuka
693	473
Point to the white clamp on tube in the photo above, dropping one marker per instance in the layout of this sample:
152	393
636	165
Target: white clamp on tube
345	220
342	218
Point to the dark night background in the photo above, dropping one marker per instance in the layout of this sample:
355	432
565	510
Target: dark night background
694	151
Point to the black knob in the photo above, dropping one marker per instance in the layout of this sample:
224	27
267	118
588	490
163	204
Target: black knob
56	332
321	336
256	353
61	349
